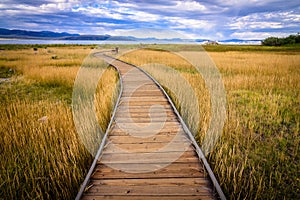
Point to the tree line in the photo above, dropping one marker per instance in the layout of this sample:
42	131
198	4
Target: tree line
275	41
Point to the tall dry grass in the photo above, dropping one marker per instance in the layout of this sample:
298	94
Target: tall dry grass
41	153
63	62
257	156
258	153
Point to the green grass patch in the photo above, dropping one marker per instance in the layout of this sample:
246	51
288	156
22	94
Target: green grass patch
245	48
6	72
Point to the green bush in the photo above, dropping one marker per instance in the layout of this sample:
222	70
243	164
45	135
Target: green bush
275	41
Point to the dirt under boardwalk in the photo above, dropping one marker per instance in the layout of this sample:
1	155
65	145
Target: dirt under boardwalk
148	155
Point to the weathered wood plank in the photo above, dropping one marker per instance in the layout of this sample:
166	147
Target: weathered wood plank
153	181
140	109
151	157
144	124
144	197
147	147
164	131
144	103
145	86
146	119
151	139
162	170
142	93
169	112
150	191
155	98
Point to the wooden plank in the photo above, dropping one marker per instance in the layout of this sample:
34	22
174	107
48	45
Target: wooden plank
140	89
142	93
145	115
144	197
164	131
124	114
145	129
154	190
151	157
136	75
154	181
156	98
146	171
146	119
137	82
141	109
145	100
148	147
145	86
151	139
163	167
144	103
134	78
166	124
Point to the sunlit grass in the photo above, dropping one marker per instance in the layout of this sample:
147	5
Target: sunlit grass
42	156
256	158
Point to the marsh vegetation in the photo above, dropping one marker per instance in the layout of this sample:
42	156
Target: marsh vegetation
256	158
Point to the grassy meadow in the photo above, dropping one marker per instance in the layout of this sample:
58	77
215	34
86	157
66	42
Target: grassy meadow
257	156
42	156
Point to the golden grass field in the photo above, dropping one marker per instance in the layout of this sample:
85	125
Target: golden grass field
43	158
256	157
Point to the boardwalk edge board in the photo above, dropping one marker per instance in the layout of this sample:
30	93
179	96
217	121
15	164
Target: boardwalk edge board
186	129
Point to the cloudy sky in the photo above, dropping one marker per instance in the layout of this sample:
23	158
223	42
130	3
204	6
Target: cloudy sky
212	19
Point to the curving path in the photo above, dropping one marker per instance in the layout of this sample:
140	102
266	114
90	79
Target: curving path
148	153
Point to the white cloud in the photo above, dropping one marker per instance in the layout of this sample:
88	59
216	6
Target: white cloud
266	20
143	16
255	25
99	12
18	10
105	24
151	32
117	13
180	23
244	3
51	7
123	5
137	15
257	35
189	6
55	5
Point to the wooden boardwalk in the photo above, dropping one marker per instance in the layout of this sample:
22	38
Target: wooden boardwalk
147	154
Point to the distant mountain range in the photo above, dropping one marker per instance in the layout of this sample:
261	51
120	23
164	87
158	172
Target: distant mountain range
23	34
49	35
6	33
